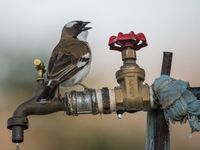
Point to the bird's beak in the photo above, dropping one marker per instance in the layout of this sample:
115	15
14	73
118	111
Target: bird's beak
84	28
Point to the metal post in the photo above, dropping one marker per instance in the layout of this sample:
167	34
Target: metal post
162	136
158	137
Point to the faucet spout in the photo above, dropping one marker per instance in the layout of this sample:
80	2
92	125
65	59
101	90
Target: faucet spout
19	121
32	107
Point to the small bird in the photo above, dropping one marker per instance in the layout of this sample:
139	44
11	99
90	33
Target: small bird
70	61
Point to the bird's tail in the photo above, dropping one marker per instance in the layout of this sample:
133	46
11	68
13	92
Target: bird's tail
49	91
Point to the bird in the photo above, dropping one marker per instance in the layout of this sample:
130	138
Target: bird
70	60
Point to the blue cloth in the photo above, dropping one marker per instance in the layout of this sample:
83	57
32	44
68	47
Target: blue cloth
178	103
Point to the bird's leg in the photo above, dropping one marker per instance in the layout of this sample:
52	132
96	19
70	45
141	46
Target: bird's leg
85	87
58	94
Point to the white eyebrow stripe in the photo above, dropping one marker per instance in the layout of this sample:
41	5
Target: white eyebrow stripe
70	24
87	55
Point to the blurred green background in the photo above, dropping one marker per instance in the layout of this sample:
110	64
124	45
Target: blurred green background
31	29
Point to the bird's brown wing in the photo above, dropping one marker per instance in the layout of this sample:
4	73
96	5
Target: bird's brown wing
64	59
62	66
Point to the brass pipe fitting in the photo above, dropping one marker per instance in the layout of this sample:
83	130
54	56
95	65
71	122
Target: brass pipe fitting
40	67
132	94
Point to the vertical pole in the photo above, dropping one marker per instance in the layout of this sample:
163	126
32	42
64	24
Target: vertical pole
166	64
158	137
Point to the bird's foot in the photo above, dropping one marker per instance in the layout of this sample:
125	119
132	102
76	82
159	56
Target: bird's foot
58	94
59	97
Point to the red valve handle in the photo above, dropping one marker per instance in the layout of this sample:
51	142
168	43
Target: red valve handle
132	40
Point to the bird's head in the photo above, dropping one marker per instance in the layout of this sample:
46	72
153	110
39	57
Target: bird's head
76	29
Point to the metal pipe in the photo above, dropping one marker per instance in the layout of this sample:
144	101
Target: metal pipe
90	102
74	103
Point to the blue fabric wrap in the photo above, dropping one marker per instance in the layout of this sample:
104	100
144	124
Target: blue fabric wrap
178	103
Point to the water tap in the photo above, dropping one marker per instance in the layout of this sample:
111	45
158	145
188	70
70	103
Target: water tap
132	94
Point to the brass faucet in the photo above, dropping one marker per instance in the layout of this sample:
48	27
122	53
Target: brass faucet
132	94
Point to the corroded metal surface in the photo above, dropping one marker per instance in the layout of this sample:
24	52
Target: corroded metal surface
91	101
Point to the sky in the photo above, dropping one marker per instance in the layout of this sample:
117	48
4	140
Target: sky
31	29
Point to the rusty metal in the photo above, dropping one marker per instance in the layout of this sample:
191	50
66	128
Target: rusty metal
90	101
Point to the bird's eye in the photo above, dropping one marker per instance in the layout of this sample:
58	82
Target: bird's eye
78	25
